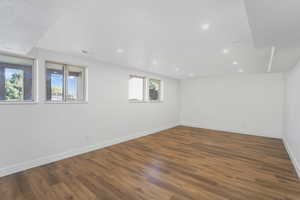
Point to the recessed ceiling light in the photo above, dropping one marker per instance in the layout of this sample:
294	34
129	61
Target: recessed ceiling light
120	51
240	70
177	69
154	62
191	74
225	51
235	62
205	27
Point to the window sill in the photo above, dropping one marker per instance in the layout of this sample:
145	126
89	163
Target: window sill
18	102
155	101
66	102
145	101
137	101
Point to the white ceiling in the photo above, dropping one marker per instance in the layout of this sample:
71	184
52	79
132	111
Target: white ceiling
24	22
274	22
164	37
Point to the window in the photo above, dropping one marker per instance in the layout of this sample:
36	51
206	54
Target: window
154	90
64	83
75	91
142	89
16	79
136	88
55	82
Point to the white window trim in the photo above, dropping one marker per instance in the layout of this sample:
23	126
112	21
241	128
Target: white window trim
85	82
34	82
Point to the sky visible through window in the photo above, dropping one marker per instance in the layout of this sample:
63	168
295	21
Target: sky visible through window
72	87
57	86
9	72
57	81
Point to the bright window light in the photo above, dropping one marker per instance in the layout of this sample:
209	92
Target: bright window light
225	51
136	88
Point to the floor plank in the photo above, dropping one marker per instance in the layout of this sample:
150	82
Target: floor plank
182	163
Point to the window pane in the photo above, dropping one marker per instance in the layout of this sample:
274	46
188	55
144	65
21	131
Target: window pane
14	84
154	89
136	88
75	83
55	82
15	78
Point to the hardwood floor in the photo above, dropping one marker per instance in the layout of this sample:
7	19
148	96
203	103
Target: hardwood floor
177	164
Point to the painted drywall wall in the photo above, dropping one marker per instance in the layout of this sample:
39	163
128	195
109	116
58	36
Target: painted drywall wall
38	133
291	134
250	104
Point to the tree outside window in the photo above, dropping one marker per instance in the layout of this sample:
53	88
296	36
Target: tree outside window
154	89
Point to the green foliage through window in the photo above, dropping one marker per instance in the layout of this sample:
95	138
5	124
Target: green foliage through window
14	80
154	89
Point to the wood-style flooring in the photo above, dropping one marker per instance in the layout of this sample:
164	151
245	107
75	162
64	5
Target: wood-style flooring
182	163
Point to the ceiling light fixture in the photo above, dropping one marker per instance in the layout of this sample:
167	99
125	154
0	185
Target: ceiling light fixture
177	69
191	74
205	27
154	62
225	51
240	70
235	62
120	51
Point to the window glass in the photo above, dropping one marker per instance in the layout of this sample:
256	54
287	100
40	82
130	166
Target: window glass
136	88
16	82
55	82
154	90
65	82
75	83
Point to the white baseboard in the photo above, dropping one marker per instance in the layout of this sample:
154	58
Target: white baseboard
246	132
292	156
53	158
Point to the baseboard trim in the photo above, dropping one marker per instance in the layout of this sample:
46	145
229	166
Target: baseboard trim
196	125
74	152
292	156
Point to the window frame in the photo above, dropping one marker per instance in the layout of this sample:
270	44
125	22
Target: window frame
34	85
146	98
65	82
144	88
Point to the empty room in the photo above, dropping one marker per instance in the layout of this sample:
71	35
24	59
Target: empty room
150	100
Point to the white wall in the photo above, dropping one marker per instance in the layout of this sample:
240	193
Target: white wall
38	133
35	134
251	104
292	116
